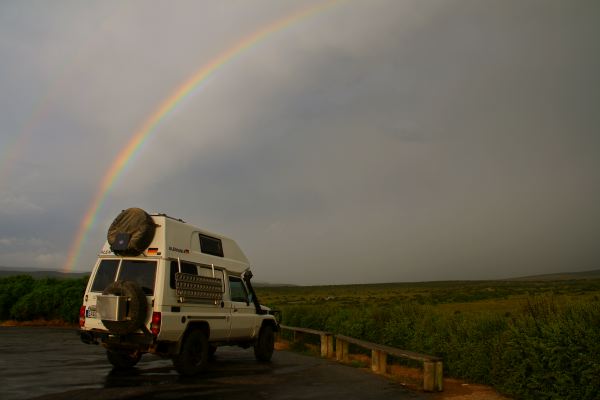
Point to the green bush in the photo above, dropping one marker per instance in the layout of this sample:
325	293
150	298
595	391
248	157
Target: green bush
12	289
23	298
552	352
545	351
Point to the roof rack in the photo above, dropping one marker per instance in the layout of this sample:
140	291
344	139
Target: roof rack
167	216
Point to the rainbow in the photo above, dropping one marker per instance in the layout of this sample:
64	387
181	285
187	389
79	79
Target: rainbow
15	148
166	107
8	158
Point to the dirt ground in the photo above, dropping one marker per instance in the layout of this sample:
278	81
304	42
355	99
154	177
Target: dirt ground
459	390
42	323
454	389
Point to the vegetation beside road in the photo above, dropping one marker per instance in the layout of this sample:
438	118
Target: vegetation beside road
23	298
528	339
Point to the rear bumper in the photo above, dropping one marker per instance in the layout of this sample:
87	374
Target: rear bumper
133	340
88	337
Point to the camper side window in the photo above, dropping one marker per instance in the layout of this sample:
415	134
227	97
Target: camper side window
237	290
211	245
186	268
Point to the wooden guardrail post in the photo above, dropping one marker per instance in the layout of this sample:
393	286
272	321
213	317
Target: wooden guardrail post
428	376
378	361
341	350
338	349
326	344
330	347
439	376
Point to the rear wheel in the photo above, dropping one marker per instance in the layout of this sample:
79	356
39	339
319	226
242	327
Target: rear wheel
193	357
123	359
263	348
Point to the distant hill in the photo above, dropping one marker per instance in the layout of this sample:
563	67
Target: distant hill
560	276
40	273
270	285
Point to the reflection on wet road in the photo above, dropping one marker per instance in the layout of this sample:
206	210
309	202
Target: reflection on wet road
54	364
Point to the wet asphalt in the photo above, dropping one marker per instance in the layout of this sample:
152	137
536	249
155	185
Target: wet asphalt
52	363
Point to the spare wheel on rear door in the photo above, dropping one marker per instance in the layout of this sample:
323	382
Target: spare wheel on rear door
137	307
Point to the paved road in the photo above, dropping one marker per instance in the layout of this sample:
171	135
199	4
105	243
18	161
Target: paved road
45	363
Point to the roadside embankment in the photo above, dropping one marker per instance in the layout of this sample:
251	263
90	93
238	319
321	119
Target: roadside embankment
42	323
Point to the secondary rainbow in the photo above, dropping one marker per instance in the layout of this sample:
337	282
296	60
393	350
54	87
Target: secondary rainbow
15	148
165	108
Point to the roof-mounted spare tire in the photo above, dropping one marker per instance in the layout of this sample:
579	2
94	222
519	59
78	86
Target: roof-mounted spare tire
131	232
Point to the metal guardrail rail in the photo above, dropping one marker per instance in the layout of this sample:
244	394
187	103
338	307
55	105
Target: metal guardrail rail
432	365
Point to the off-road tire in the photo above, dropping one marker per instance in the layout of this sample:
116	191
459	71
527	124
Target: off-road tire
263	348
138	307
193	357
122	359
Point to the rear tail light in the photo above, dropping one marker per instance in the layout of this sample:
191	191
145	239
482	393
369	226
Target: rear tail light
155	325
82	316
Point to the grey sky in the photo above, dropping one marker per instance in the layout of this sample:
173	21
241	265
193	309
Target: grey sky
376	141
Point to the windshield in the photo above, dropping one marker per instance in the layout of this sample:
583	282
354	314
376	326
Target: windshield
141	272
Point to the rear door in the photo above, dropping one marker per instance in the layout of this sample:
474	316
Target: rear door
142	272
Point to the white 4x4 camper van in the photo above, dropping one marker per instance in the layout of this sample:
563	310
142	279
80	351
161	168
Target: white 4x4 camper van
163	286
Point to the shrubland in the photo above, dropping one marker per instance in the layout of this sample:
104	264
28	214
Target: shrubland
530	340
23	298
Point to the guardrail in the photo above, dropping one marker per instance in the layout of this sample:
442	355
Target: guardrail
326	338
432	365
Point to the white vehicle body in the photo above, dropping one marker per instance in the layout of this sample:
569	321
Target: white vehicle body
192	280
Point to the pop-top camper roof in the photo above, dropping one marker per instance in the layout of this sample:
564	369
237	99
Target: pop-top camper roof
130	236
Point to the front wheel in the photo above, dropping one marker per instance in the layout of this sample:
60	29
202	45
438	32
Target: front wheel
121	359
211	351
263	348
193	357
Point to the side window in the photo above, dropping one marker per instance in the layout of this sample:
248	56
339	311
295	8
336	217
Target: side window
237	290
211	245
186	268
107	270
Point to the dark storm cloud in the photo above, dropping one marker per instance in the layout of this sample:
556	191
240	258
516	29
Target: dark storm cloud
379	141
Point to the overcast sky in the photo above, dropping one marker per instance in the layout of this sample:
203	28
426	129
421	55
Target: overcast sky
376	141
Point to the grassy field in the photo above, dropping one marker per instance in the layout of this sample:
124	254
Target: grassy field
452	296
529	339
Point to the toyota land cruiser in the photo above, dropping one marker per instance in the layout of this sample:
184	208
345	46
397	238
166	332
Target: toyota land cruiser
163	286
